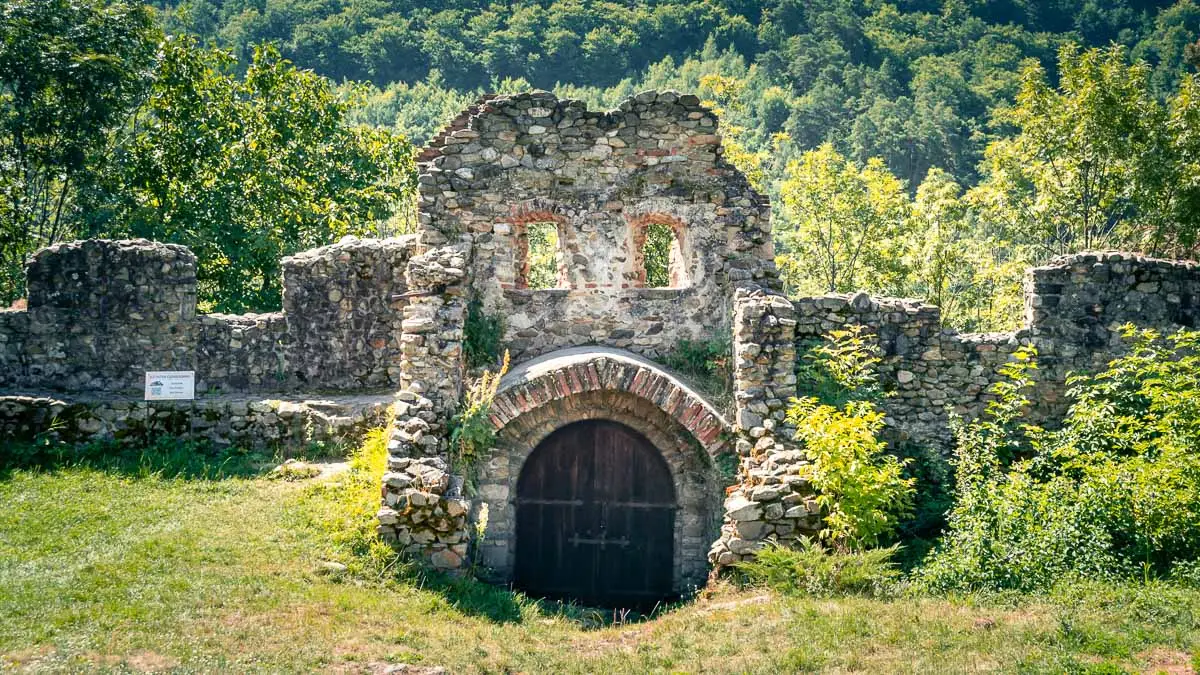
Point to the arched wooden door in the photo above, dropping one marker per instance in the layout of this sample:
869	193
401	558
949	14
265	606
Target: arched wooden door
596	518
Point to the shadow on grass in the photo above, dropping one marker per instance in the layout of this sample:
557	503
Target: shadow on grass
502	604
164	457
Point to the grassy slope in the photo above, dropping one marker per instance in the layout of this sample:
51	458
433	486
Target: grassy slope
100	570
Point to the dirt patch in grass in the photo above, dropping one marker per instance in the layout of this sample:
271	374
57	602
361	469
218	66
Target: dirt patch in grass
1169	661
147	661
26	658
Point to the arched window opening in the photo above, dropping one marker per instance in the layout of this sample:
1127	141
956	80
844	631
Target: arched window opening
544	268
660	259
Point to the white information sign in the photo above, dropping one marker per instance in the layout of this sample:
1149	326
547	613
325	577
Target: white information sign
170	385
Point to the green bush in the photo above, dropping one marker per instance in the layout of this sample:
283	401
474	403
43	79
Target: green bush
706	363
811	569
862	489
471	432
840	368
1114	492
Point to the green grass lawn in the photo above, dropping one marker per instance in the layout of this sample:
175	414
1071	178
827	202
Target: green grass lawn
120	569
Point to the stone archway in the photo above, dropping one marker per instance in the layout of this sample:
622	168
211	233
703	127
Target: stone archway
570	372
544	395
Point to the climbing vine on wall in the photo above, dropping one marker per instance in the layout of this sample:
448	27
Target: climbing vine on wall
707	363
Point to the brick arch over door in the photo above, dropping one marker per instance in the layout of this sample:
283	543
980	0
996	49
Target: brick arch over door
569	372
574	385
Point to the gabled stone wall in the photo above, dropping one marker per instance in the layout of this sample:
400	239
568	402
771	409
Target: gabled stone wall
511	161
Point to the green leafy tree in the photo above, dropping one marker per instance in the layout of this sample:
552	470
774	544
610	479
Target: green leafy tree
246	170
70	70
941	251
1090	164
844	227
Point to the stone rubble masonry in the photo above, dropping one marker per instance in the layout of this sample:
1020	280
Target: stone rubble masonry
241	421
600	177
510	161
1074	308
772	499
424	512
101	313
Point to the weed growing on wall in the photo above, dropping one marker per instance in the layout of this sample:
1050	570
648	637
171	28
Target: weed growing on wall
471	432
707	363
482	334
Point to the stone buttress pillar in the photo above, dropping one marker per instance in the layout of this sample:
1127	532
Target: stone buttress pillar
771	500
424	513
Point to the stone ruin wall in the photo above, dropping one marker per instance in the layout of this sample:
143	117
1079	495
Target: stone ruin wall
102	313
1074	309
601	177
511	161
388	316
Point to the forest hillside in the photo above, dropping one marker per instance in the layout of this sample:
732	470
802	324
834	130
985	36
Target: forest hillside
930	148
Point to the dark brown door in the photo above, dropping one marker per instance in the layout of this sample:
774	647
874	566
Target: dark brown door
596	518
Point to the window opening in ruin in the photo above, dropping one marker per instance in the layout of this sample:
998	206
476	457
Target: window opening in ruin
662	257
544	257
656	255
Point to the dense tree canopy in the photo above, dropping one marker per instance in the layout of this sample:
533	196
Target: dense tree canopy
246	170
107	129
70	71
912	81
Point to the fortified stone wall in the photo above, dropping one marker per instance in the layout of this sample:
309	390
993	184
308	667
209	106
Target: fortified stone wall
1074	308
600	178
102	313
